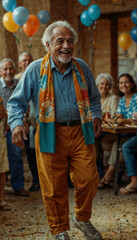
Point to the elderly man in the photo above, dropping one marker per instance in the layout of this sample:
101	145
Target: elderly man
7	86
68	112
25	59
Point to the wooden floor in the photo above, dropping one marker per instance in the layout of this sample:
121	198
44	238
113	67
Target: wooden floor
114	216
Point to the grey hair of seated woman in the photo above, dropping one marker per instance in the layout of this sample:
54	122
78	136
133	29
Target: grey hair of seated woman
107	76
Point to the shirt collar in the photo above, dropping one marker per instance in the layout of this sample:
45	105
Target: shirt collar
5	85
53	66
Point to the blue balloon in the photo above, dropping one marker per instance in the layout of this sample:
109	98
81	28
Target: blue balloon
20	15
84	2
85	19
9	5
44	16
94	12
134	34
134	16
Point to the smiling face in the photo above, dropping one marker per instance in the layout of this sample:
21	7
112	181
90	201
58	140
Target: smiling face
25	61
125	85
7	72
62	45
104	87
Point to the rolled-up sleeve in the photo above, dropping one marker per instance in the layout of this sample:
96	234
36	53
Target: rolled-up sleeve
27	87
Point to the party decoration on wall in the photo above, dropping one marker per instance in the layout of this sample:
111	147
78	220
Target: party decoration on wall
134	34
134	30
20	15
84	2
85	19
94	12
31	26
124	41
89	18
9	23
134	16
9	5
44	16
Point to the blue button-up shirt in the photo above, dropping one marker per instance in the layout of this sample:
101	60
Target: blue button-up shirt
66	107
127	112
6	91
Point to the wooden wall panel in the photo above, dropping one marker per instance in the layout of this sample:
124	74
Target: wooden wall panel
102	47
125	24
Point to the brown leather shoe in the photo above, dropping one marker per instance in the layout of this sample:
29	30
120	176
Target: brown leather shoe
21	192
35	187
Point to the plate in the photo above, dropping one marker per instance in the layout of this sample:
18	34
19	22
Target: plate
109	125
132	126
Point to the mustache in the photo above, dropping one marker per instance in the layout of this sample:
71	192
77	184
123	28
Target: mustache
66	51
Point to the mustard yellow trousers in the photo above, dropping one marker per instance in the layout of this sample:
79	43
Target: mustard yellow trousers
53	171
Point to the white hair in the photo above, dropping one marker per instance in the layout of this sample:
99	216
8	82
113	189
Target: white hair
107	76
24	53
7	60
47	35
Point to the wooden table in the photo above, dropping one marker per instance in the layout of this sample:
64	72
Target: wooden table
118	130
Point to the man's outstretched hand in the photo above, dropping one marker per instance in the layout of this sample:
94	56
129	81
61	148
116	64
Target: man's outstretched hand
19	133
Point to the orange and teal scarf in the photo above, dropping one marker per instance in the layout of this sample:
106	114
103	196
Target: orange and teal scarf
47	106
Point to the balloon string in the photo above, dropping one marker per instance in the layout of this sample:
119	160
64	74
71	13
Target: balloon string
19	43
30	44
91	48
91	29
17	39
40	27
21	29
125	53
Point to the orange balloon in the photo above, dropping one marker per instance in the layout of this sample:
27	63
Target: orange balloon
31	26
9	23
124	41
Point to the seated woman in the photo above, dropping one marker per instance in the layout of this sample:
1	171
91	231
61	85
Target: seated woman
126	108
109	103
130	156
